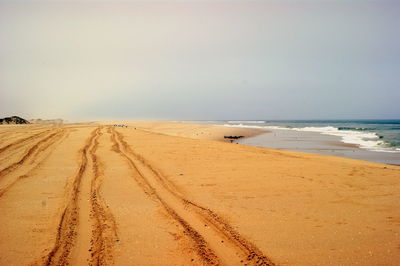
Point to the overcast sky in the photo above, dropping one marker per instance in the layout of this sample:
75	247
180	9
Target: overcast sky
288	59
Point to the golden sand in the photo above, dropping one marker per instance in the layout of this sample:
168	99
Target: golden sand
171	194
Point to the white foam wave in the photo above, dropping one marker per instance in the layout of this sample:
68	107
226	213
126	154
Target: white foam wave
244	126
365	140
247	122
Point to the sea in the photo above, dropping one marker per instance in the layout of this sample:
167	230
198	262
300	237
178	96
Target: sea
371	140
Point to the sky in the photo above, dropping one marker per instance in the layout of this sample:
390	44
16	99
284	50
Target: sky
200	60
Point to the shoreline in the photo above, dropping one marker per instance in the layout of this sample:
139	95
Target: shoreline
280	139
313	142
373	136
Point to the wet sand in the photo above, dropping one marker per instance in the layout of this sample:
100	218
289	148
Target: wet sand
167	194
318	143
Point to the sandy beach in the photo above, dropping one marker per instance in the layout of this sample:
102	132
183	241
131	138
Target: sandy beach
159	193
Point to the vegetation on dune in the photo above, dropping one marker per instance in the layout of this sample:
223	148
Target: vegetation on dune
13	120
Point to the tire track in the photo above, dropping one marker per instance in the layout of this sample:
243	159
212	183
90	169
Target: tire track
71	230
202	247
20	142
66	231
29	154
249	253
45	146
12	135
253	254
104	234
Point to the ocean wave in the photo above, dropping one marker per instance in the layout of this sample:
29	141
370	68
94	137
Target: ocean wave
364	139
247	121
243	126
355	128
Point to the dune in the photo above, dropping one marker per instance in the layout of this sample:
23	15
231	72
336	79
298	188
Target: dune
13	120
166	193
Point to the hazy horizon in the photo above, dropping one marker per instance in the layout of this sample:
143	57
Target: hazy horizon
200	60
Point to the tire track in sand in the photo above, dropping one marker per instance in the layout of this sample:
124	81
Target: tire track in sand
13	133
28	154
85	201
43	147
19	142
215	240
104	234
202	248
66	231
